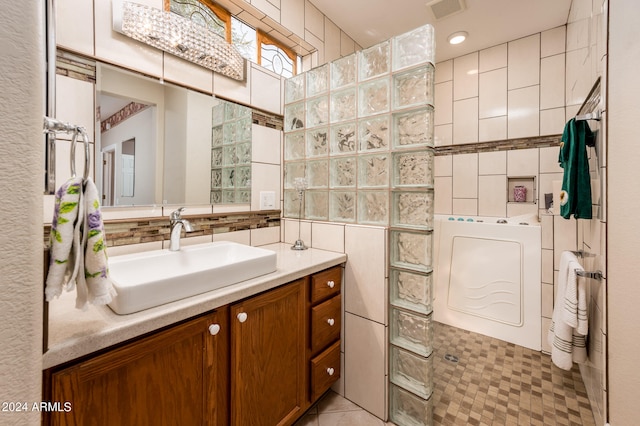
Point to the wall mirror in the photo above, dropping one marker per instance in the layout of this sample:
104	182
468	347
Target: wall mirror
158	143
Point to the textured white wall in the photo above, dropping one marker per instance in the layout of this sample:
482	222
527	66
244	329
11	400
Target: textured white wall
21	186
623	194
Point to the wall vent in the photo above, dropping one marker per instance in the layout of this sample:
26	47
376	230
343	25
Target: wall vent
445	8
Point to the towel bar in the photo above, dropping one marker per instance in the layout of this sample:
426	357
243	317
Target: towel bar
596	275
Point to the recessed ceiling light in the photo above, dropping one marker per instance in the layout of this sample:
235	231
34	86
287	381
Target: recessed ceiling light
457	37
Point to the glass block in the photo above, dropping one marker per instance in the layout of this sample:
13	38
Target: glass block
318	111
216	197
243	131
230	111
216	178
411	290
373	207
317	142
293	170
408	409
243	177
216	136
373	61
342	206
413	168
217	114
411	331
374	133
318	173
414	47
230	133
294	117
316	205
343	172
343	105
413	128
317	80
229	155
291	204
411	250
294	88
343	139
343	71
412	209
373	171
243	196
243	153
229	177
373	97
216	157
412	372
413	88
294	146
229	196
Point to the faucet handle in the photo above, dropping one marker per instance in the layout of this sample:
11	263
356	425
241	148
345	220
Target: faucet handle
175	215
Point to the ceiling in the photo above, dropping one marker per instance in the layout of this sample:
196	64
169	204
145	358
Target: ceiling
488	22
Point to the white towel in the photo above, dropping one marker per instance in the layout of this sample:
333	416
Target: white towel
99	288
78	257
64	239
569	325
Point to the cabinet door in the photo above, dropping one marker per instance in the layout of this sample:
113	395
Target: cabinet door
268	380
176	376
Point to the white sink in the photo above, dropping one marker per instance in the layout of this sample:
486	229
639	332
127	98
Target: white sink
148	279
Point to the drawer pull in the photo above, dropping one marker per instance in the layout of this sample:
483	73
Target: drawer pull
331	284
214	329
330	371
242	316
331	321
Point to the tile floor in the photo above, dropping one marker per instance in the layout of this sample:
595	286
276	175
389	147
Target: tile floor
492	383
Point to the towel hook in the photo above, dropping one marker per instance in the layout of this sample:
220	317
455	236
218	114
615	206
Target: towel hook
87	153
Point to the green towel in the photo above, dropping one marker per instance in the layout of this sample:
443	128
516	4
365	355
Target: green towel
575	197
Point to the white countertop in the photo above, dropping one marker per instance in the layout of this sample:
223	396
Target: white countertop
74	333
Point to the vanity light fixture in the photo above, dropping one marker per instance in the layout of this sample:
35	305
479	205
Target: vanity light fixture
457	37
179	36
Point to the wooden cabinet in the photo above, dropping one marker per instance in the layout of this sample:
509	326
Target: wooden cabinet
175	376
268	357
325	325
260	361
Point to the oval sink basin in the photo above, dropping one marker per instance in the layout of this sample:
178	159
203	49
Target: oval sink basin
148	279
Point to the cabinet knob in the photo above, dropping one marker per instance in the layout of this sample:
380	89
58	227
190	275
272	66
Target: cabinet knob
242	316
331	284
330	371
214	329
331	321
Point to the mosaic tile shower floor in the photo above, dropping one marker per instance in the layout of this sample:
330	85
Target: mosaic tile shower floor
492	383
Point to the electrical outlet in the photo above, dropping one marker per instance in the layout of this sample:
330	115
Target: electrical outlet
267	200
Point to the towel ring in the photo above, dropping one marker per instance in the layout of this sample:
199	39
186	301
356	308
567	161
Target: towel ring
87	152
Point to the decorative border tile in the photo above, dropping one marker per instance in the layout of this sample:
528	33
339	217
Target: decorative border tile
501	145
121	232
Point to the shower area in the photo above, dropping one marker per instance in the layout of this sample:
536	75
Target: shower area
363	135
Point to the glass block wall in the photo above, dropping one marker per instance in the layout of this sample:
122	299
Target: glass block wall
360	130
230	153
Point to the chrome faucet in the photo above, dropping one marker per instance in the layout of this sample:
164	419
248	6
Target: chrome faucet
177	223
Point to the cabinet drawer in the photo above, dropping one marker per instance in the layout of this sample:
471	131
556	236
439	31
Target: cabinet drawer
326	284
325	323
325	369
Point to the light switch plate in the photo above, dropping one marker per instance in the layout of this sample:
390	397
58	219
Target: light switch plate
267	200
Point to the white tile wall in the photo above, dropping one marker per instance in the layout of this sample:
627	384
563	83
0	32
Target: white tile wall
552	82
465	75
552	42
465	121
262	236
492	129
524	62
443	135
465	172
329	236
365	292
365	364
493	58
263	86
493	93
199	78
492	163
74	25
524	112
492	195
443	98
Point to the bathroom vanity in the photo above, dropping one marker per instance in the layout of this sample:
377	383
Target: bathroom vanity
259	352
